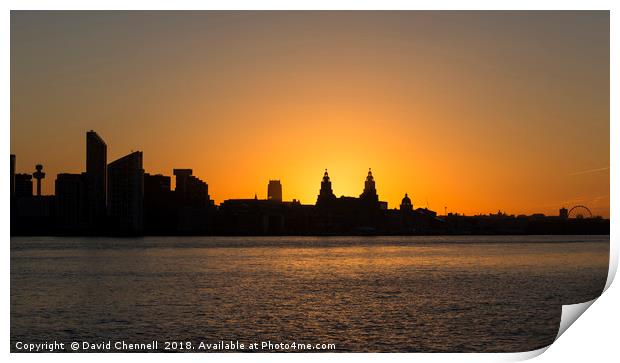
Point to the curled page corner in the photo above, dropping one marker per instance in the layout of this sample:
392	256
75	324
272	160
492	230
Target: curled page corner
570	313
614	250
519	357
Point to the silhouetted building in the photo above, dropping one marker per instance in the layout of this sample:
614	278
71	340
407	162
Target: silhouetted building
96	169
326	195
194	210
274	191
156	185
70	190
426	212
254	216
160	205
126	193
12	176
38	175
141	203
23	185
363	215
34	215
370	193
405	204
181	175
31	215
190	190
12	195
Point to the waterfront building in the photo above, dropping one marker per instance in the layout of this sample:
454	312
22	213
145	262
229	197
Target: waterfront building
96	179
70	191
23	185
274	191
405	205
326	194
125	194
190	190
370	192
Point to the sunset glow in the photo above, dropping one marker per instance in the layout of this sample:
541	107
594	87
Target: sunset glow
473	112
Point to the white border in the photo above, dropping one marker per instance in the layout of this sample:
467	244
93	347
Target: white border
595	334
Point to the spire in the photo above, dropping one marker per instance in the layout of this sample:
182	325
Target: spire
326	192
370	193
369	177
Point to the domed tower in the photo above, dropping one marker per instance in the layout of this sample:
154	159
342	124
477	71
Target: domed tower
370	193
405	204
325	194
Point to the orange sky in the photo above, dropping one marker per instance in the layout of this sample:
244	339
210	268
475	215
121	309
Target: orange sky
473	111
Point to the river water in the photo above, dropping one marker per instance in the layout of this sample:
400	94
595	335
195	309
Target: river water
362	294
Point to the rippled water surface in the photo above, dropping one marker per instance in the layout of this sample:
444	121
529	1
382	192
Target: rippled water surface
387	294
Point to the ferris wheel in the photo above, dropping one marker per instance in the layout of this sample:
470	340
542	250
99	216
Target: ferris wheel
579	212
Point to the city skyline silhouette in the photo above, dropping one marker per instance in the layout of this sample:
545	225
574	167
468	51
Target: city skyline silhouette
273	187
452	108
121	198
